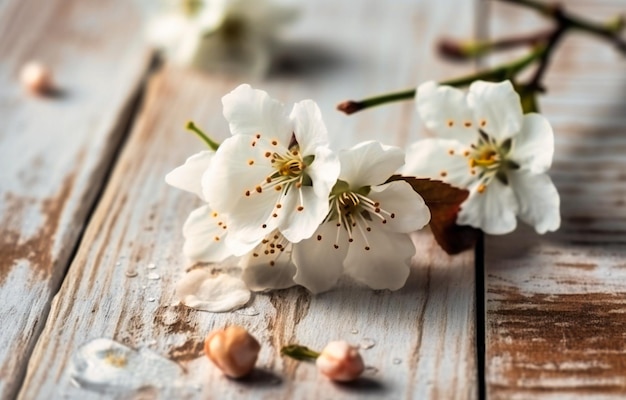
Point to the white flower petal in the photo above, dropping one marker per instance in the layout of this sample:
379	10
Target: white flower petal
493	210
369	163
533	146
385	265
324	171
212	14
401	207
176	35
187	47
319	263
440	159
298	225
250	222
200	290
239	246
252	111
106	366
189	175
538	200
497	108
445	112
268	271
205	236
230	177
166	30
309	127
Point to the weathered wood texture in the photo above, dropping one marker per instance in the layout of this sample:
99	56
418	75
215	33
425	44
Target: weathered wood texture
54	151
556	304
424	334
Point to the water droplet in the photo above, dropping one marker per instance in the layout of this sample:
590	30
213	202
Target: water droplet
151	299
151	266
151	343
247	311
131	274
104	365
153	277
117	264
144	287
397	361
370	370
367	343
354	331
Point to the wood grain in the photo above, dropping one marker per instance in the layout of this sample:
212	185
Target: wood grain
424	334
55	150
555	303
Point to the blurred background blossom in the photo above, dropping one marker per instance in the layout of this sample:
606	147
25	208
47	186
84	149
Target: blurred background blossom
224	36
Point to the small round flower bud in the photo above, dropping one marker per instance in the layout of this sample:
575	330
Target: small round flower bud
340	362
36	77
233	350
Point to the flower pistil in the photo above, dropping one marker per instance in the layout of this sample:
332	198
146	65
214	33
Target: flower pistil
288	170
492	159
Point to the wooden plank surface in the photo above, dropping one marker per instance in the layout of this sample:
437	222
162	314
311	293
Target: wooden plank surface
55	151
423	335
556	304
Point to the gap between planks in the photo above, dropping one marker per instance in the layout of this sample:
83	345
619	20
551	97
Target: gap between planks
125	124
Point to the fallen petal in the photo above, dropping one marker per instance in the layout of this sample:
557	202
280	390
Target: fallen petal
201	290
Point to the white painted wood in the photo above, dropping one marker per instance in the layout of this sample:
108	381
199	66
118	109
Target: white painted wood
55	150
340	50
555	303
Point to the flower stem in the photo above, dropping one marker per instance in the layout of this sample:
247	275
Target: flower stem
298	352
501	72
203	136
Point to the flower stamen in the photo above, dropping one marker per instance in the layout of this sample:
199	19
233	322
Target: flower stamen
491	157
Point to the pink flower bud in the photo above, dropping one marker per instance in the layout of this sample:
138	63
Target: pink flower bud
340	362
36	77
233	350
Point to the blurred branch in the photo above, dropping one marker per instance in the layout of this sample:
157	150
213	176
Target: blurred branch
470	49
544	44
610	30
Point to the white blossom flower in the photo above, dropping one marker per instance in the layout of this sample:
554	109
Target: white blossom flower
488	146
205	230
208	33
178	28
276	171
365	233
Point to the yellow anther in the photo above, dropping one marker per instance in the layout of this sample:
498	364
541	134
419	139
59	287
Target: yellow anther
292	168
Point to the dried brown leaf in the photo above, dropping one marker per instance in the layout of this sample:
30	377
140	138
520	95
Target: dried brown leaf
444	202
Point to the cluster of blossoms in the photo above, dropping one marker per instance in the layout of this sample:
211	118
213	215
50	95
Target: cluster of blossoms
292	209
294	212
